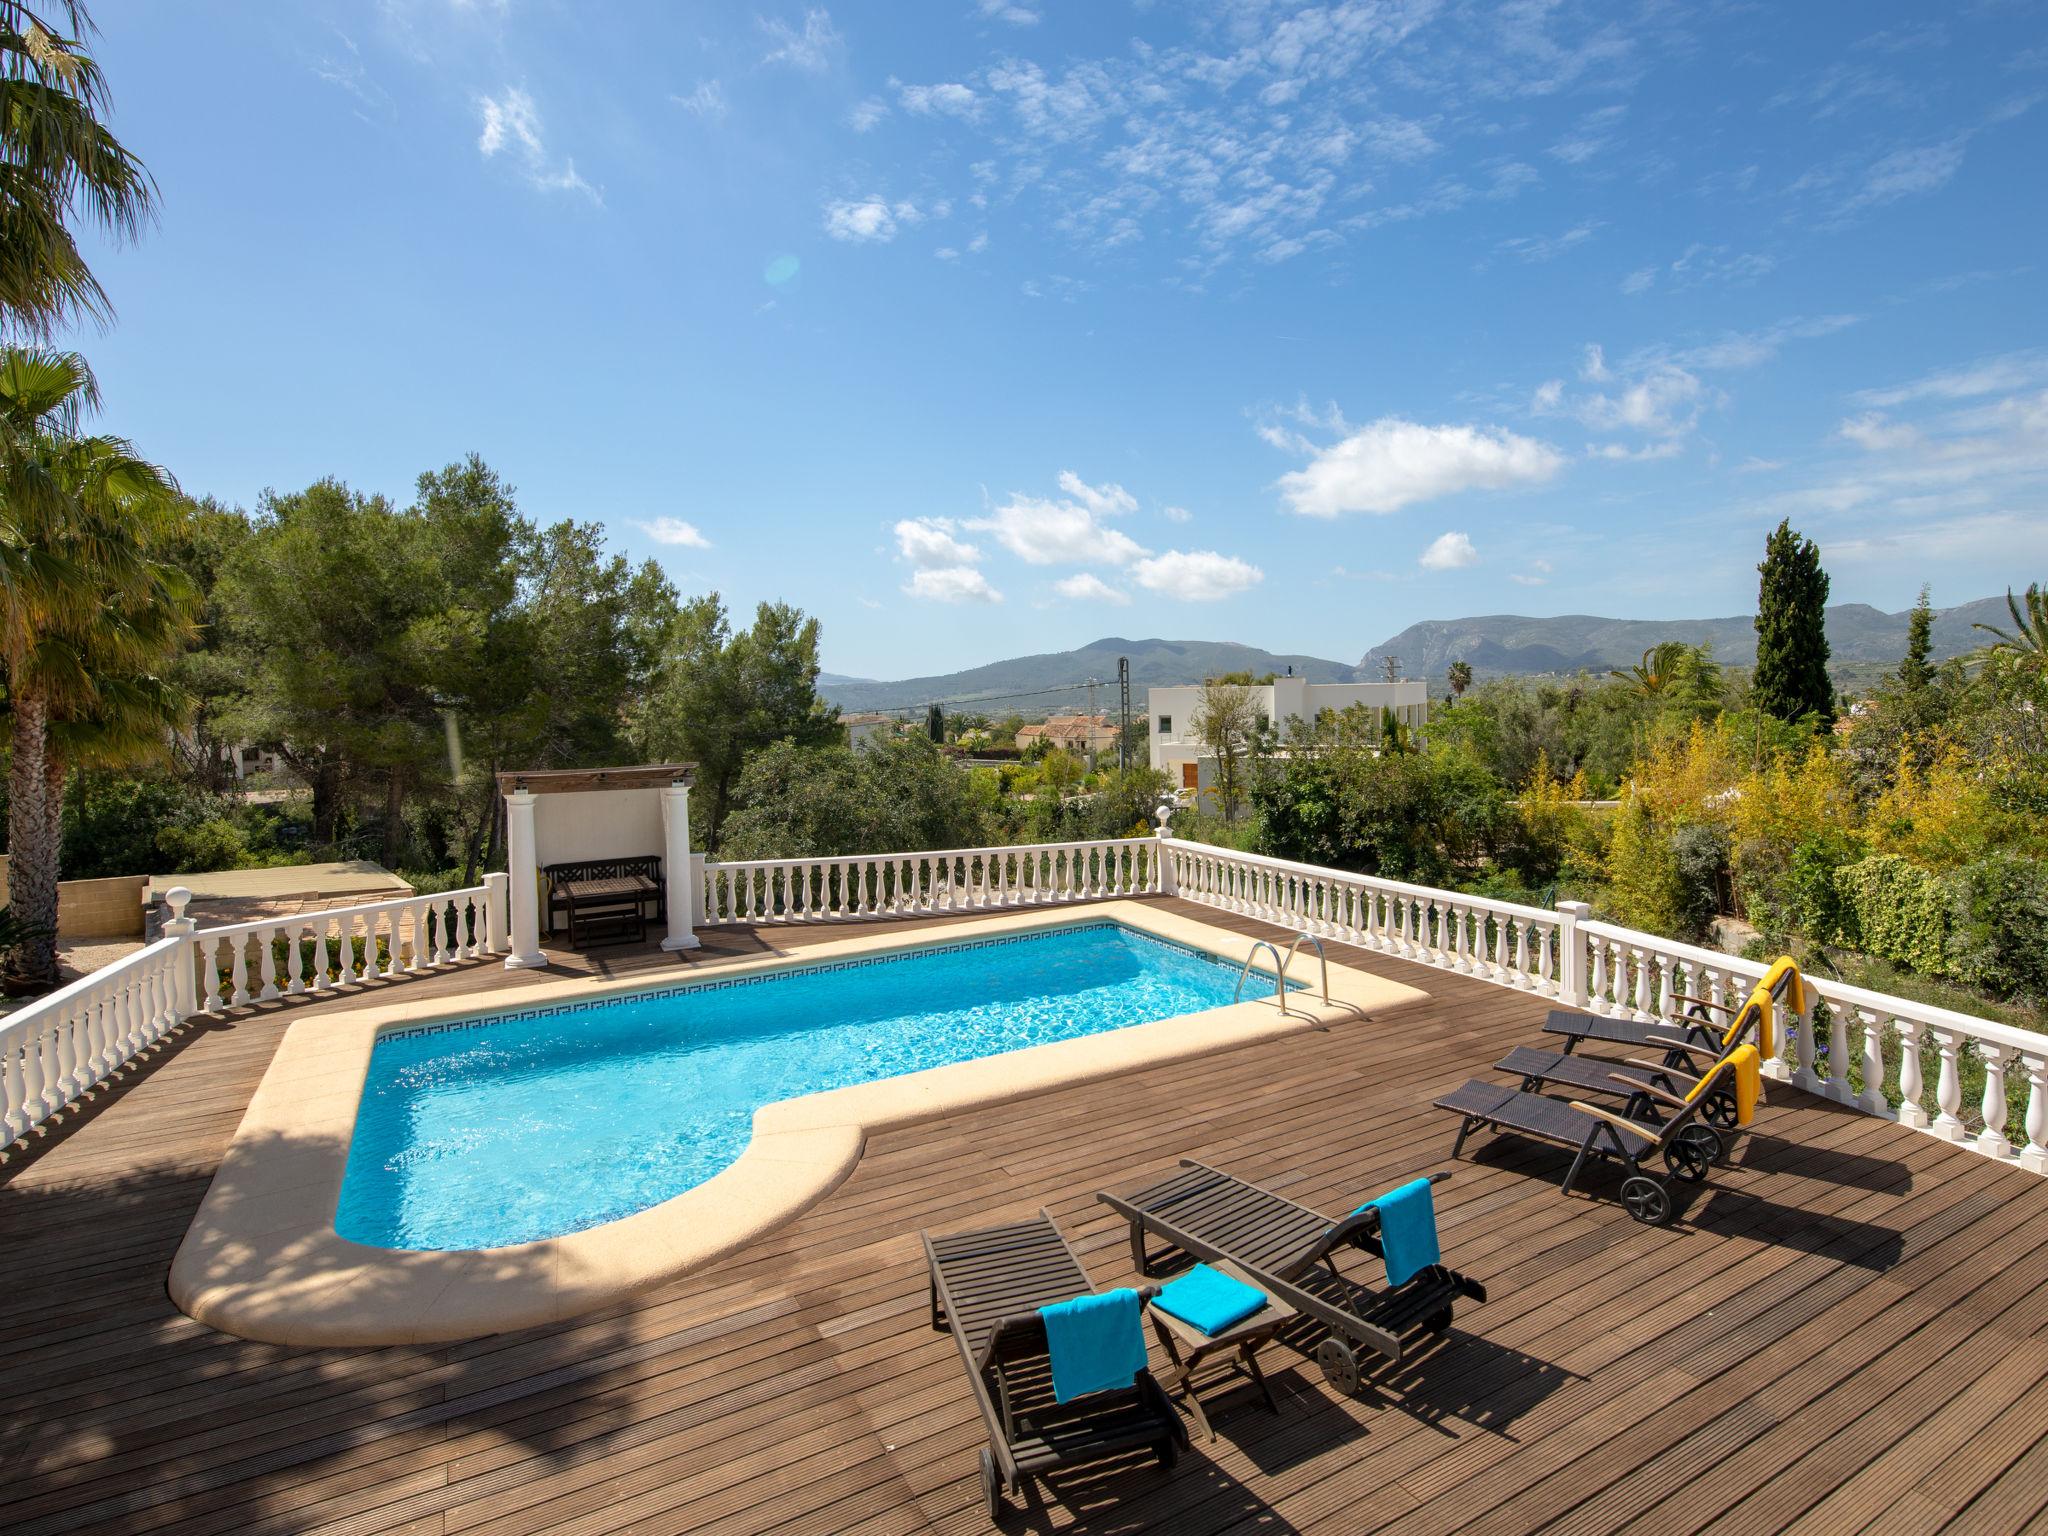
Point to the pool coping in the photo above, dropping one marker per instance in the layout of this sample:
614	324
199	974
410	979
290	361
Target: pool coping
262	1260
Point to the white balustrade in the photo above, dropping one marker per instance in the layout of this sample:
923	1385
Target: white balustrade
771	891
67	1043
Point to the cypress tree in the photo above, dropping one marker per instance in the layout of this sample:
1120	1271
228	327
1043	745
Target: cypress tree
1914	672
1791	631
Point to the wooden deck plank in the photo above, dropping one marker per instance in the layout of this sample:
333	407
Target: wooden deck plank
1847	1329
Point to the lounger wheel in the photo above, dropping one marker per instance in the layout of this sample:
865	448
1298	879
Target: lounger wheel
1720	1110
1340	1366
1647	1200
1439	1322
1695	1151
992	1487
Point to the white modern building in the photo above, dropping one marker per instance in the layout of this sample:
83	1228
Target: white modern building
1177	749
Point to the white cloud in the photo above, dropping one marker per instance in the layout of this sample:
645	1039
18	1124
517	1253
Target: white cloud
1665	402
1670	448
1196	576
951	584
929	542
1642	280
951	99
810	49
1449	552
511	125
1873	432
707	100
1548	247
869	218
1176	514
1990	375
674	531
1537	575
1086	586
1015	12
1594	133
1040	531
1390	463
868	113
1906	173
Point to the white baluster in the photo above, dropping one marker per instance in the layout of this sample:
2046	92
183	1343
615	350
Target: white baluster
1948	1088
294	960
1873	1100
209	972
2034	1156
1991	1140
239	943
1911	1084
1838	1087
266	965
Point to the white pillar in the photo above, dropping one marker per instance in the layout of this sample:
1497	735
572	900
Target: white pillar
1573	985
179	926
525	874
1163	879
675	865
497	912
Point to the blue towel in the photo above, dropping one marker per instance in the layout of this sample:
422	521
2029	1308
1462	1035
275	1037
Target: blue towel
1095	1343
1407	1230
1210	1300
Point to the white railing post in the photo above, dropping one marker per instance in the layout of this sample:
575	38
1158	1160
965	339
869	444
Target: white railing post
1571	953
497	913
2034	1156
1165	879
524	873
1948	1087
1991	1140
185	989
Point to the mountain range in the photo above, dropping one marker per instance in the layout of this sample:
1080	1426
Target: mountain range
1863	641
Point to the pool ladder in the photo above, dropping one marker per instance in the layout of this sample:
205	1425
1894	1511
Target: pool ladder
1280	964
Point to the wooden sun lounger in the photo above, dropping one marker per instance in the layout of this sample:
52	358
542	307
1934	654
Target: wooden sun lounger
1689	1149
1212	1215
986	1288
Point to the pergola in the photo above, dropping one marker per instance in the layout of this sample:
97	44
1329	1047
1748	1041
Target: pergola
574	815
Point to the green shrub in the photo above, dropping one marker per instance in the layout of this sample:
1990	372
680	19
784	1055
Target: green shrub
1698	855
1642	873
1999	937
1901	912
215	843
1813	897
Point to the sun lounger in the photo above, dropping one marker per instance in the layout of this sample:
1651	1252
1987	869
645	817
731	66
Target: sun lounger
986	1289
1632	1081
1688	1149
1290	1251
1692	1021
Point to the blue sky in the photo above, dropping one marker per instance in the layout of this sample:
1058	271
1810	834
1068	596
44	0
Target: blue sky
978	327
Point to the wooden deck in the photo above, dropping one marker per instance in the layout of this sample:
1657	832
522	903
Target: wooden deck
1844	1333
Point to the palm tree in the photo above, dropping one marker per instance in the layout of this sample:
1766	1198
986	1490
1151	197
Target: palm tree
2026	643
85	612
1658	667
1460	678
57	159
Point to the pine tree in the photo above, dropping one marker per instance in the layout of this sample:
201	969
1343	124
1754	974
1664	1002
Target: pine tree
1914	672
1791	631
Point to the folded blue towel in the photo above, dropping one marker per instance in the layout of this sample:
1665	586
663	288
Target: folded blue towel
1095	1343
1210	1300
1407	1230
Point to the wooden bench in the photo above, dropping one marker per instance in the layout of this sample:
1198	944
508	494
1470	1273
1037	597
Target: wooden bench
606	899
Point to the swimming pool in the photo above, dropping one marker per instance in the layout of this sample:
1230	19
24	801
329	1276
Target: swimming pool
524	1126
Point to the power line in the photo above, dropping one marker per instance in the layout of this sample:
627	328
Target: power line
986	698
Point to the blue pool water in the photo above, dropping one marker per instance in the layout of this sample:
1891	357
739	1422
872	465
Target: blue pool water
506	1130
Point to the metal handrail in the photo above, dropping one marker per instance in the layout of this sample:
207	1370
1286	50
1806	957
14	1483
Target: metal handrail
1279	973
1320	955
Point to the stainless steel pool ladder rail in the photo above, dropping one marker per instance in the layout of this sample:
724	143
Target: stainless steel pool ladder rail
1279	972
1280	964
1309	938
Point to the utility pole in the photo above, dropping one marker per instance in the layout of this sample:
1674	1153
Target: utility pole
1123	734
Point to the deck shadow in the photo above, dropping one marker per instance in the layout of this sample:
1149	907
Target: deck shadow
1760	1152
1862	1244
1134	1494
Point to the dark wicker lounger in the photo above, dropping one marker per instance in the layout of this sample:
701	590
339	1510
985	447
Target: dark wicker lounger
1696	1026
1209	1214
987	1287
1688	1148
1645	1085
